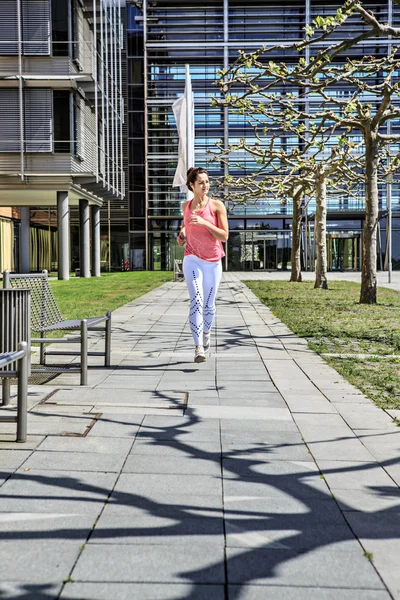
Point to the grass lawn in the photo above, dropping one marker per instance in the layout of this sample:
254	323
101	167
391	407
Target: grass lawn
334	322
79	298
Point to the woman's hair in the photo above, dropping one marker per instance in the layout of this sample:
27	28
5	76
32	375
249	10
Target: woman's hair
192	175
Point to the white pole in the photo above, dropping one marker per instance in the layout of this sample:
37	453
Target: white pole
389	229
189	141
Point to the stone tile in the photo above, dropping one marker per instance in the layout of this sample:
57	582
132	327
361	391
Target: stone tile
101	445
189	422
160	529
7	442
304	535
75	461
265	451
372	499
152	485
252	400
174	564
241	417
278	592
145	591
12	459
355	475
260	436
55	492
34	526
116	426
322	567
37	561
275	486
11	590
144	463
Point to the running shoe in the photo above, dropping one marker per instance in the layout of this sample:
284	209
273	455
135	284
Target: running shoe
199	355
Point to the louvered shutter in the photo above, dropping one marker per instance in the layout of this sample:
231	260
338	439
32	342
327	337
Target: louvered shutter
38	120
36	26
8	27
80	127
78	49
9	120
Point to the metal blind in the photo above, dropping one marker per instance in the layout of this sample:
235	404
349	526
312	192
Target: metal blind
38	120
36	26
8	27
9	120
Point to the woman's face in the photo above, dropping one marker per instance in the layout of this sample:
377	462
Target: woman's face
201	186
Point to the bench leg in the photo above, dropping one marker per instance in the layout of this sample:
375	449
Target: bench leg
42	351
84	352
107	358
6	391
22	417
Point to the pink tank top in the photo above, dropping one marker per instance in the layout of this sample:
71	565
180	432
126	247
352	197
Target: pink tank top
199	241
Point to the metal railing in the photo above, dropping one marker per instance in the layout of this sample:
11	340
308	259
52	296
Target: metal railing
21	359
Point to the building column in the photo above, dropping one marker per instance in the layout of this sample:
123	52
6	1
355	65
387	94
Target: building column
84	238
25	241
95	221
63	235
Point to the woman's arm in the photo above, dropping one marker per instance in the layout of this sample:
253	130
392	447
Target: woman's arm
181	236
222	231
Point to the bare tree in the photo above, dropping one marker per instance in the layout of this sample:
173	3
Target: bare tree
312	98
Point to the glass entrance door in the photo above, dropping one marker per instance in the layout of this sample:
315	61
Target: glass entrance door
343	252
264	252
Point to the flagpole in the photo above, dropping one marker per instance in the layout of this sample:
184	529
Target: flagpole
189	141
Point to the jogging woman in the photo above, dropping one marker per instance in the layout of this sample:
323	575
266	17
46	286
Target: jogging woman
205	226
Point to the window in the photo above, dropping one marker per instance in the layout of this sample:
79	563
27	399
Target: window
60	21
62	119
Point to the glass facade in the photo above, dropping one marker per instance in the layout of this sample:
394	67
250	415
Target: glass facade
163	36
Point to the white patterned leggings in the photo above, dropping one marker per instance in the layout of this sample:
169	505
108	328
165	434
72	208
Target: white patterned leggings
202	279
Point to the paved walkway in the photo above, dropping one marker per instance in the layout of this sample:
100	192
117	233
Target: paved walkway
258	475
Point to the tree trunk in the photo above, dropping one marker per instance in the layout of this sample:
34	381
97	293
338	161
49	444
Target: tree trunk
321	280
296	237
368	276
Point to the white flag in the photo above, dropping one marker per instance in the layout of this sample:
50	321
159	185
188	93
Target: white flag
184	117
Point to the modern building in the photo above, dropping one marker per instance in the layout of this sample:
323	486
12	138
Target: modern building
164	35
61	124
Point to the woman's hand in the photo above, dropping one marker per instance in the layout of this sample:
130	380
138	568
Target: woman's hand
181	239
196	220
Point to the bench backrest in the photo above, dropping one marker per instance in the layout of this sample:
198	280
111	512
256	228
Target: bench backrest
44	308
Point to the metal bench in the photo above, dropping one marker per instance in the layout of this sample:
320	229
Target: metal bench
46	317
20	357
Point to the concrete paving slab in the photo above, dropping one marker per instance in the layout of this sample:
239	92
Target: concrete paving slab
144	463
372	499
151	485
56	492
102	445
161	530
279	592
352	475
199	449
145	591
175	564
37	562
7	442
12	459
240	417
337	537
271	487
253	400
75	461
10	590
33	526
266	451
316	568
115	426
